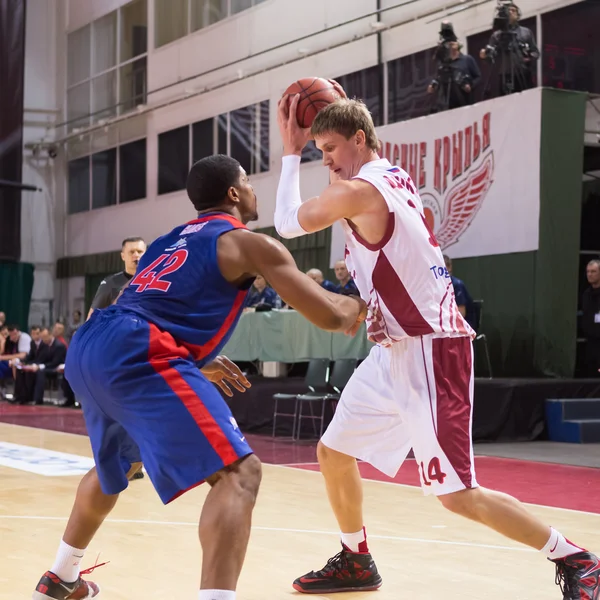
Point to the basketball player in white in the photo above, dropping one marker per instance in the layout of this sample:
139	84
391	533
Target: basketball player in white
415	389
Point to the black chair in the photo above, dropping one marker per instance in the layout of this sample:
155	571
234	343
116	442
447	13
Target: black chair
478	319
315	380
340	375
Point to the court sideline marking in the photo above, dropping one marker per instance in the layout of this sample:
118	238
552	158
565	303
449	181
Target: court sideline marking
393	538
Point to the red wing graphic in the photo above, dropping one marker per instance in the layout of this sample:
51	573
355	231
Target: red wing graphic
463	201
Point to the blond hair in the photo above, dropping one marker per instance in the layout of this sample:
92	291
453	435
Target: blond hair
346	117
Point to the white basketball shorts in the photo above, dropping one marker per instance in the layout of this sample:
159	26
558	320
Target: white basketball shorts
418	394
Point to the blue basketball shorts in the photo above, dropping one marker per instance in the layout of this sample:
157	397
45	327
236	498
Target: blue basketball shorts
144	400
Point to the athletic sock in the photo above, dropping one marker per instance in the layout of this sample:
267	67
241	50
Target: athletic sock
216	595
66	564
356	542
559	547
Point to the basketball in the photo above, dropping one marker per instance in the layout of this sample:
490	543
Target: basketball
315	93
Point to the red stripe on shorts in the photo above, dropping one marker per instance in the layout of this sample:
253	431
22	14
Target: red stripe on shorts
452	369
163	349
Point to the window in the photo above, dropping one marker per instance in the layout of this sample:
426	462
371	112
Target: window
132	171
173	160
97	176
132	82
171	19
177	18
104	96
489	87
203	139
78	105
207	12
408	79
104	43
79	185
134	30
572	47
79	52
249	137
106	65
104	178
366	85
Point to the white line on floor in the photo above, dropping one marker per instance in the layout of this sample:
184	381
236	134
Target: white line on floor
282	530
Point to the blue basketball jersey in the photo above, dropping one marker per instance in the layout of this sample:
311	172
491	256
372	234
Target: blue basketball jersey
179	287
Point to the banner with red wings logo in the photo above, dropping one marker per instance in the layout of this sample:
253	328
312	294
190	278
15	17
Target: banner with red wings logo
478	173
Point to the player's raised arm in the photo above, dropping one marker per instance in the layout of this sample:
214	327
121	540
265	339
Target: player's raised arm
344	198
246	253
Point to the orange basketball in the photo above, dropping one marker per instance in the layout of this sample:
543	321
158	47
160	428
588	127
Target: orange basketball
315	93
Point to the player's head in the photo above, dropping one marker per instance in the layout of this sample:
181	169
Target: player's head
344	131
592	272
34	332
448	263
13	333
219	182
341	271
132	249
260	283
315	275
46	336
2	318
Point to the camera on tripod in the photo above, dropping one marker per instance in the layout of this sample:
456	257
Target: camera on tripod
447	35
502	26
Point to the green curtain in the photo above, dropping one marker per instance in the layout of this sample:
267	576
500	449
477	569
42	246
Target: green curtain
16	284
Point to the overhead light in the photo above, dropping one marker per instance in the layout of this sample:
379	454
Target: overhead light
303	51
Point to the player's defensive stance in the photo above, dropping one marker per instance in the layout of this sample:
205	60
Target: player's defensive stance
415	388
134	366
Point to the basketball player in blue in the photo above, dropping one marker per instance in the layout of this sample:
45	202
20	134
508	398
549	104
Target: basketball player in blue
134	365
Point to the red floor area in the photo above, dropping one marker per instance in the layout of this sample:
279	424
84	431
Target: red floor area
563	486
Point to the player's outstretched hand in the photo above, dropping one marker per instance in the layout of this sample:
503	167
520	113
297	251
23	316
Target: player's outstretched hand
294	137
223	373
362	315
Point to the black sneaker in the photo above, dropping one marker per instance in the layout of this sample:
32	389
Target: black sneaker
52	587
578	576
138	475
345	572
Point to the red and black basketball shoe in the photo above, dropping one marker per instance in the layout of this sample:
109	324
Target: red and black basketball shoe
52	587
578	576
345	572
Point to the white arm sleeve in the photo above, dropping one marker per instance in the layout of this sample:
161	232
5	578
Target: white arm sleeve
288	201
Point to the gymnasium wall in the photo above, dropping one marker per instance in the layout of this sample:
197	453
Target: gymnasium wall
49	233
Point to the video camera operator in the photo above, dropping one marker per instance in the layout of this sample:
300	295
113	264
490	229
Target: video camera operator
513	48
458	74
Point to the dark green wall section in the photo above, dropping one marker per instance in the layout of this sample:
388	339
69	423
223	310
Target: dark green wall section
16	284
557	269
505	283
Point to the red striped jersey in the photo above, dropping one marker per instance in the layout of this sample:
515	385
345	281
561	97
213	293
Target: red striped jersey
403	279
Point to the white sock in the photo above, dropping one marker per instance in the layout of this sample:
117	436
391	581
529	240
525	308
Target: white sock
216	595
356	542
66	563
558	546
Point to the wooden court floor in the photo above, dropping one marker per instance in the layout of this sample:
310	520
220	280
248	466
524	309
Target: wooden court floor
422	551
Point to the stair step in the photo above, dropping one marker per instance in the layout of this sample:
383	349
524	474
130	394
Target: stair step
579	408
589	430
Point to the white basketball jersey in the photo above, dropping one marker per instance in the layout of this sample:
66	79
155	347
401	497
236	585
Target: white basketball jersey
403	279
